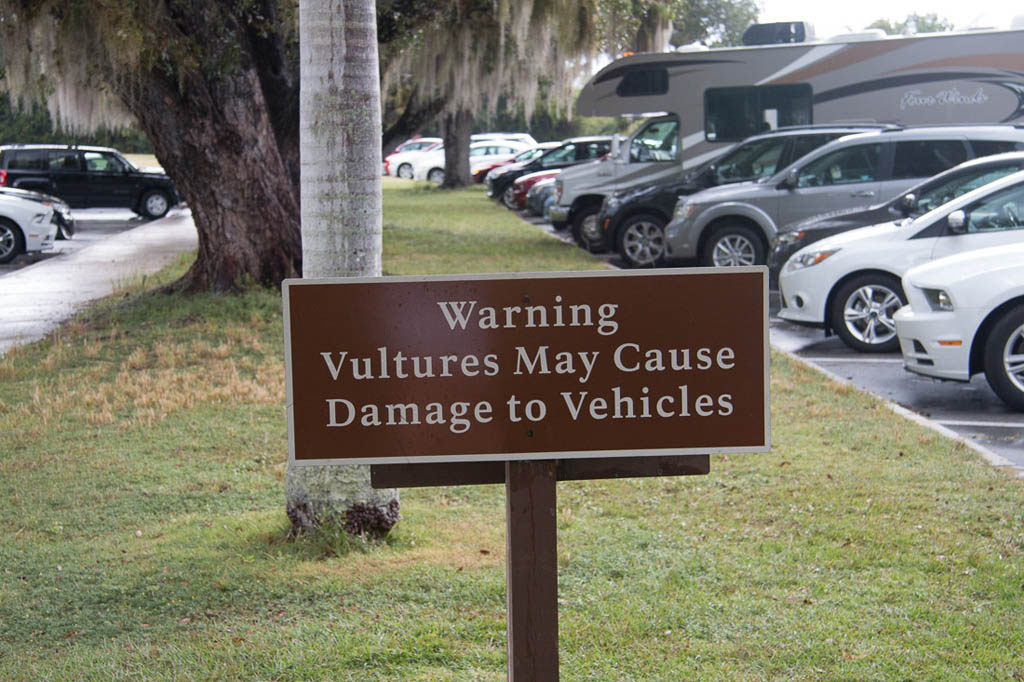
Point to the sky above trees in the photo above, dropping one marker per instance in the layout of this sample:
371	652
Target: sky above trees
855	16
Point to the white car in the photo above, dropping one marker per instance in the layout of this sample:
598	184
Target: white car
26	226
430	165
966	317
397	163
850	283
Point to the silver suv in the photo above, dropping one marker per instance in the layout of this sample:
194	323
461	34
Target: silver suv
733	224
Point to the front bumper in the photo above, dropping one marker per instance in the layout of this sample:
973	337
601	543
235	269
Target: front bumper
932	344
559	213
803	298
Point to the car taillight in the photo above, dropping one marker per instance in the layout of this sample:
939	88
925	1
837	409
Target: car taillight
3	177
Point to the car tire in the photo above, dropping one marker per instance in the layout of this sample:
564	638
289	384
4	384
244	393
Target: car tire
641	241
155	203
405	171
435	175
508	197
12	242
733	245
586	231
1004	358
862	310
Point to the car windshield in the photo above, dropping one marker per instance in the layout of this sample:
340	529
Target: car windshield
932	197
755	160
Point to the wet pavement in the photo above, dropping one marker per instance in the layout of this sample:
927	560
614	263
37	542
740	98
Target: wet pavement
40	292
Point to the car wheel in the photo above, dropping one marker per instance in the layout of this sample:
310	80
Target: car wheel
12	242
155	204
1004	358
405	171
732	245
508	198
436	176
862	311
587	231
642	241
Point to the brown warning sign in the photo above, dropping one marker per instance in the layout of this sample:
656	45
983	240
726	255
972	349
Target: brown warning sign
514	367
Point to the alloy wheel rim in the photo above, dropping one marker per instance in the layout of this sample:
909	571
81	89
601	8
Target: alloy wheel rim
1013	358
732	251
156	204
643	243
6	241
868	314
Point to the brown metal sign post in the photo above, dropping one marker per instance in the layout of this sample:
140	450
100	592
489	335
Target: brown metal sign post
528	380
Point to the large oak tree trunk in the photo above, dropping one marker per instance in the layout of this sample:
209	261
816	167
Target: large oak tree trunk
457	130
216	140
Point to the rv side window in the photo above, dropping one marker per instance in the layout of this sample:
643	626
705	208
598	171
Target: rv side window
659	141
736	113
642	82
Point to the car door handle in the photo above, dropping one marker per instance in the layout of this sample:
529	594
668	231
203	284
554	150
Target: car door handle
863	193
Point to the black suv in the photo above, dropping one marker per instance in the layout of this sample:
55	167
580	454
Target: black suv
86	177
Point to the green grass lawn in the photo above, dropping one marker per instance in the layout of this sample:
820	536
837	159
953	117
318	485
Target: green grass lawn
142	455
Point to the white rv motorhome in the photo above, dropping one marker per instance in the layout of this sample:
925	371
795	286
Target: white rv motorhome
711	99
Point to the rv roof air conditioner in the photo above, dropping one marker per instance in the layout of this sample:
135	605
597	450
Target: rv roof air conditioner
778	33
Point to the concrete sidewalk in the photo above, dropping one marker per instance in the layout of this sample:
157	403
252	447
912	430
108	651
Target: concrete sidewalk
37	299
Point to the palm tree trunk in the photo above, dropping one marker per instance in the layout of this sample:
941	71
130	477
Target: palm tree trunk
339	139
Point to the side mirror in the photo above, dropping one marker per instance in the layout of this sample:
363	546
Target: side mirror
790	181
908	203
956	221
616	145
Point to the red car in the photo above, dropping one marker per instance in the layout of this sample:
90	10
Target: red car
523	184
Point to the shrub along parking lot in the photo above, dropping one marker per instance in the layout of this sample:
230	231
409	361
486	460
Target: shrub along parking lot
142	455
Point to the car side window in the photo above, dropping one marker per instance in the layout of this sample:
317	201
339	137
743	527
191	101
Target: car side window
101	162
28	159
1001	211
805	144
857	163
62	159
559	155
924	158
592	150
750	161
962	184
989	147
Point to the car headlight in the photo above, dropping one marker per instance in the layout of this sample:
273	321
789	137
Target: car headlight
938	299
805	259
791	237
684	210
611	202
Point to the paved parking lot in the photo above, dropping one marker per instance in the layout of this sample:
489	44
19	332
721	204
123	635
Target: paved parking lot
968	410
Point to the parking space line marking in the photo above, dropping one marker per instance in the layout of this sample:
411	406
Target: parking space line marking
1000	425
859	361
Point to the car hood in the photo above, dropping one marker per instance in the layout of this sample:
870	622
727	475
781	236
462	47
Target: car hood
732	192
893	230
1004	264
844	218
